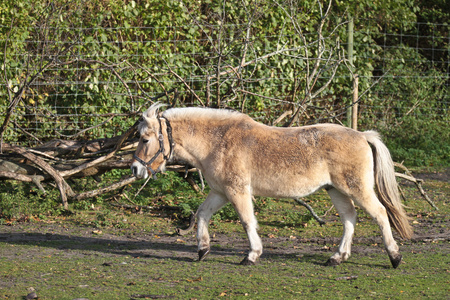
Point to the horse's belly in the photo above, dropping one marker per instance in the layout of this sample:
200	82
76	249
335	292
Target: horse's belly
279	187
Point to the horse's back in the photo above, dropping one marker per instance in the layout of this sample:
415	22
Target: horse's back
293	162
304	146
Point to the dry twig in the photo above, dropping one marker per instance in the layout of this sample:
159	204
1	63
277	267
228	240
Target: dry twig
408	176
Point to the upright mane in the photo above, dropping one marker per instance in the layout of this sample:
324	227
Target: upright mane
150	113
174	114
200	112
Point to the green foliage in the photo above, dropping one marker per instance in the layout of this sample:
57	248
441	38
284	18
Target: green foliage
433	11
390	13
420	143
20	202
415	125
140	40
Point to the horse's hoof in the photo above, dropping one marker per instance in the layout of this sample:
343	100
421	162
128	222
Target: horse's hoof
247	262
332	262
202	254
395	261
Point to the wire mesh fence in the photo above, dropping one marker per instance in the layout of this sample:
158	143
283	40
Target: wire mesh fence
89	83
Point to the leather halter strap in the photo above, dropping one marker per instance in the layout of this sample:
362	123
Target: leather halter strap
161	149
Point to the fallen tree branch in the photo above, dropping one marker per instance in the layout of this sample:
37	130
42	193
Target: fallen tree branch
36	179
190	227
64	189
25	178
94	193
408	176
117	147
129	206
311	210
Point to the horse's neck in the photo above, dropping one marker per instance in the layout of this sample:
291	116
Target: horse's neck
192	142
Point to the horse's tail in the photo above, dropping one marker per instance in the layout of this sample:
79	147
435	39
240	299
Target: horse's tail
386	185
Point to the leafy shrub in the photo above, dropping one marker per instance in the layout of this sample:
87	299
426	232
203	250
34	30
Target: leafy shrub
419	142
20	201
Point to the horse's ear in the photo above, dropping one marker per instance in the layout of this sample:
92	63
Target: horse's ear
152	112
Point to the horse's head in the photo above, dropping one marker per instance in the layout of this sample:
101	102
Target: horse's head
155	144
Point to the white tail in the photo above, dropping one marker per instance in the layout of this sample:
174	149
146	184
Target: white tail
386	185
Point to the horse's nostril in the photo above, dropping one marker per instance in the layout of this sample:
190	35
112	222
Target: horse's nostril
134	170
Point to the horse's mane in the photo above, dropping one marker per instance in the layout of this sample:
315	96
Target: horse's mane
200	112
196	113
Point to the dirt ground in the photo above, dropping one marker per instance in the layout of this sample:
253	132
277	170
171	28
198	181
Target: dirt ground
429	233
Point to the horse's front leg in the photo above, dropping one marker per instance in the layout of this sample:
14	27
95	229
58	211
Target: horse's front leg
214	201
346	209
243	204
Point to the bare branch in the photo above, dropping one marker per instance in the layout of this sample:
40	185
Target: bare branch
90	164
63	187
185	84
117	185
311	210
418	182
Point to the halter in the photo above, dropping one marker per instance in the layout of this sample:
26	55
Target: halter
160	150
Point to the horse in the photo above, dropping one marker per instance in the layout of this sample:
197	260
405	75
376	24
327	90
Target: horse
240	157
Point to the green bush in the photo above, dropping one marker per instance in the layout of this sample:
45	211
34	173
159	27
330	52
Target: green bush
20	201
420	143
146	37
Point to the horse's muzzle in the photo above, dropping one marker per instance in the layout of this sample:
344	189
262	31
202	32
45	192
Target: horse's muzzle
138	170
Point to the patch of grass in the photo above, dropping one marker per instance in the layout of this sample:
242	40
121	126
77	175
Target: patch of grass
105	252
59	275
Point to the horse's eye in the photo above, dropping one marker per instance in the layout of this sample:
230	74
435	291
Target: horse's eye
145	141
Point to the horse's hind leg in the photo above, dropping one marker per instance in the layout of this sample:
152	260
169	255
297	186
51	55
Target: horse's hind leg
370	203
346	209
214	201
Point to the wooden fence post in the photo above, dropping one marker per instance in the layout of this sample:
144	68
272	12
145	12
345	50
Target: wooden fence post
355	103
350	109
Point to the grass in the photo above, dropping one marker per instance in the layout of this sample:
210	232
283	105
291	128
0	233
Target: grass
56	275
102	252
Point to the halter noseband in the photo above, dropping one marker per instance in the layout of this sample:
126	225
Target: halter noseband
160	150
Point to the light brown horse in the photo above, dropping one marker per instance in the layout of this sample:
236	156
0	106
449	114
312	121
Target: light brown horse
240	158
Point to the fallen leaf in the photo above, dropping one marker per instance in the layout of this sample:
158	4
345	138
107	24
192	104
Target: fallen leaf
196	279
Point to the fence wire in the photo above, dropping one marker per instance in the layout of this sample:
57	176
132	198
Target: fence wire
89	85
